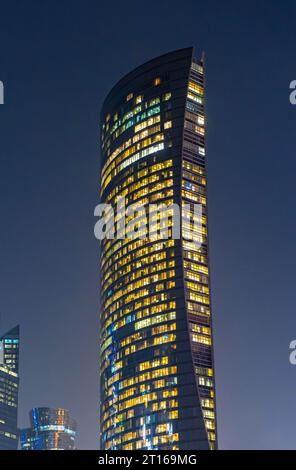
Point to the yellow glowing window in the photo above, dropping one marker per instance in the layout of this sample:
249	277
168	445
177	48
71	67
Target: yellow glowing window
195	88
157	81
129	97
168	124
210	424
174	414
201	339
139	99
148	122
200	120
167	96
193	97
162	428
154	101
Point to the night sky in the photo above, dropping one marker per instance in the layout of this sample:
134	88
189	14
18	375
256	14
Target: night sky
58	60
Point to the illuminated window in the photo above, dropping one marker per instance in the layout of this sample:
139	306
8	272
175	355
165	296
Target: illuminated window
140	277
167	96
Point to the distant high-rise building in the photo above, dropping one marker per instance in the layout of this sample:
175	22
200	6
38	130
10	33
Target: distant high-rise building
157	369
51	429
9	386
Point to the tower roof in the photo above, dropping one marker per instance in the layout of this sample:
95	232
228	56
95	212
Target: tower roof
13	333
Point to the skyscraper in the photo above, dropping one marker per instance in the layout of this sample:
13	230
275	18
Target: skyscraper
157	371
51	429
9	385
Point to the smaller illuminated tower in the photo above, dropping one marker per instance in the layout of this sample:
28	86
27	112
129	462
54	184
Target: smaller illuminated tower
51	429
9	385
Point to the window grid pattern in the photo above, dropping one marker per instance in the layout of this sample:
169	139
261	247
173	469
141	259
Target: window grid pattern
196	262
157	385
137	293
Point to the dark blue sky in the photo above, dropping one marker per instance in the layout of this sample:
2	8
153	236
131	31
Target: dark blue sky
57	61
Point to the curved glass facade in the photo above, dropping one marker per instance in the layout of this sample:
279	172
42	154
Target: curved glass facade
51	429
157	374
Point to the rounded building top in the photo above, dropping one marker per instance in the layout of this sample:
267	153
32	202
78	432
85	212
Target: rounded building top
122	87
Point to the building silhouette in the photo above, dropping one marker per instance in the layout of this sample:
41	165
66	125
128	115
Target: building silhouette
156	353
51	429
9	386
